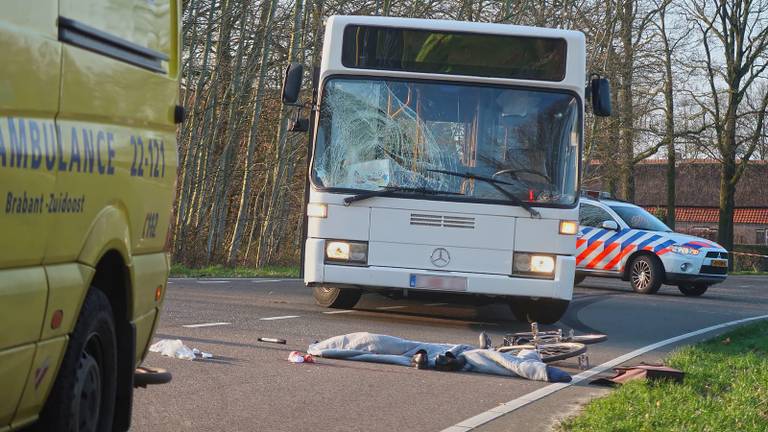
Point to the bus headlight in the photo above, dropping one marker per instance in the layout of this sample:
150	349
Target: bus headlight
346	252
533	264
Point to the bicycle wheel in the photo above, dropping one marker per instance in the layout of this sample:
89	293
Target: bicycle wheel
588	339
549	352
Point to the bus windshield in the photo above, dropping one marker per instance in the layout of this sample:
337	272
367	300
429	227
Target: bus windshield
376	134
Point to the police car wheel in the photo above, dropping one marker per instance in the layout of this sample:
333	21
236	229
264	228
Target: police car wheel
83	397
543	311
693	290
339	298
646	274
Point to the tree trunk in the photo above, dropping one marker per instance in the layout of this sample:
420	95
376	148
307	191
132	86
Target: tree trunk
245	193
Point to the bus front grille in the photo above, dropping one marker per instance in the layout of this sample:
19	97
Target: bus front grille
443	221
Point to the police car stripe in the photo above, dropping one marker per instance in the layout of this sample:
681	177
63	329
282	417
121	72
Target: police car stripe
616	236
596	236
595	261
610	251
648	241
632	239
661	246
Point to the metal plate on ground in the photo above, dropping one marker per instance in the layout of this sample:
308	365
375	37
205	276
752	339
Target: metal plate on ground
442	283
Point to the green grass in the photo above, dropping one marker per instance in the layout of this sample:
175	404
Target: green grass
725	389
180	271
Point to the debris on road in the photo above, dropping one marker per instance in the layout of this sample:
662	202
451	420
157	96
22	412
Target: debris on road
175	348
297	357
378	348
641	372
271	340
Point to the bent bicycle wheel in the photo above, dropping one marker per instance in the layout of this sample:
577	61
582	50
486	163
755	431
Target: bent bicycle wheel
549	352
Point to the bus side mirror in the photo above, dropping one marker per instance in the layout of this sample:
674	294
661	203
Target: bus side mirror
601	97
292	83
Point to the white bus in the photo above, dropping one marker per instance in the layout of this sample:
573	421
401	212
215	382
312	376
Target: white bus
445	158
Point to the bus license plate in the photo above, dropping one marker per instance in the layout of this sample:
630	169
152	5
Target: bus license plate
719	263
443	283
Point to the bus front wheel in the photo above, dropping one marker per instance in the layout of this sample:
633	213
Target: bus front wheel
542	311
338	298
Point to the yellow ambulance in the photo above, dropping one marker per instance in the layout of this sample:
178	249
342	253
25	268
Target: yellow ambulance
88	112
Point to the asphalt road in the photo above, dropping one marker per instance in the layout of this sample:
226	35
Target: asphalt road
251	386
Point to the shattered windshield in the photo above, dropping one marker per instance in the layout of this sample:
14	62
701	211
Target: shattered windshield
375	134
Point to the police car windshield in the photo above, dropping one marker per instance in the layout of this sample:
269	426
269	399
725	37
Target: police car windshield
637	218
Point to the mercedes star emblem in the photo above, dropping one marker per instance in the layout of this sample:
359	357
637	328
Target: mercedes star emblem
440	257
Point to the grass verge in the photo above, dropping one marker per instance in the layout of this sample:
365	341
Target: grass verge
181	271
748	273
725	389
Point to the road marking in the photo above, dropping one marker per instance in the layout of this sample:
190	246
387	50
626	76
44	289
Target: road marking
265	280
435	304
338	312
508	407
211	281
279	318
389	307
213	324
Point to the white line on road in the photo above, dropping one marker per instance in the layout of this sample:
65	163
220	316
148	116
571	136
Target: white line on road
338	312
389	307
265	280
278	318
213	324
435	304
494	413
211	282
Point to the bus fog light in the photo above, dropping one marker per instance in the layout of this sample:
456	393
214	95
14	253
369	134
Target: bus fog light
569	227
342	251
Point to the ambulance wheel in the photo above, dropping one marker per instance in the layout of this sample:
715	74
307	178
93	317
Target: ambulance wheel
83	397
579	279
542	311
693	290
646	274
338	298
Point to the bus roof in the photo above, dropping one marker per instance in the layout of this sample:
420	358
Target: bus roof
575	75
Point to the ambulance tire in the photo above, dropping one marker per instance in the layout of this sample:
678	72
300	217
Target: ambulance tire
83	397
579	278
646	274
542	311
337	298
693	290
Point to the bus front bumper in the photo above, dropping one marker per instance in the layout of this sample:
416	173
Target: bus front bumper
317	272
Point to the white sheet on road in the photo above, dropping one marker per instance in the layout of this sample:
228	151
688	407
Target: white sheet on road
378	348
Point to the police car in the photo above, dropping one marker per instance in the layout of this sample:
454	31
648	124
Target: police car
620	239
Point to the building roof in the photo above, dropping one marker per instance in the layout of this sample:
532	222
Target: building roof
711	214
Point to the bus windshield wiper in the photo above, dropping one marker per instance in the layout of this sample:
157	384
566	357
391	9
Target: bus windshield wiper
389	190
496	184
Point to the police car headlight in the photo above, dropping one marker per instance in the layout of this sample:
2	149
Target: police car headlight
533	264
346	252
684	250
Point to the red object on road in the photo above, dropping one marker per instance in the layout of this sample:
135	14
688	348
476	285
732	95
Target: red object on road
298	357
